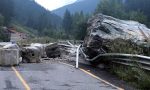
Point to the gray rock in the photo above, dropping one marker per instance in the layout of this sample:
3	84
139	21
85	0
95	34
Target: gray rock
31	55
9	57
41	47
9	54
53	50
102	30
108	27
11	46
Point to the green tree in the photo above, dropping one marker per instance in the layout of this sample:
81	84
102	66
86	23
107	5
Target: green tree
81	31
139	10
43	22
4	35
67	22
79	25
138	16
1	20
113	8
124	9
6	9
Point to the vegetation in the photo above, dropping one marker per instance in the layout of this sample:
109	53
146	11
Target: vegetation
77	7
29	17
67	22
113	8
134	75
41	22
6	10
4	36
124	46
42	40
137	10
75	25
124	9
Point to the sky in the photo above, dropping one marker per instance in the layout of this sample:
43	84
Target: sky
54	4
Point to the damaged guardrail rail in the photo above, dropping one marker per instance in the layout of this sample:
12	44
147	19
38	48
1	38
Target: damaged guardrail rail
123	59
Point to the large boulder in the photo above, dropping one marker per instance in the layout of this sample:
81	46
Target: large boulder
31	55
9	54
104	31
9	57
41	47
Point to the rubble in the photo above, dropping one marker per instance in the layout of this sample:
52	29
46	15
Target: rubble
36	53
53	50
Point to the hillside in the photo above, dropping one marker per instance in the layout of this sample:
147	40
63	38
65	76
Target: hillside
87	6
27	16
31	14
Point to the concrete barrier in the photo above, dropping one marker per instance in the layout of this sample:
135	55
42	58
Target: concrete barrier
9	57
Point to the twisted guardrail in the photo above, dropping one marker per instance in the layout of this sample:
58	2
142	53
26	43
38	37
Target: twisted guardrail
118	58
122	59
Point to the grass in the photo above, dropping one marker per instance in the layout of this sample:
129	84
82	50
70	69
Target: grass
124	46
42	40
134	75
24	29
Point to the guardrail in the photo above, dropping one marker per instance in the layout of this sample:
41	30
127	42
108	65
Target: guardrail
122	59
73	42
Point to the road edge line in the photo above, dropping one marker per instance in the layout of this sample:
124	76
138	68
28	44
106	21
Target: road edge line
21	78
94	76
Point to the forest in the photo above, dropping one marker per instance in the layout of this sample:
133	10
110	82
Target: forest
36	20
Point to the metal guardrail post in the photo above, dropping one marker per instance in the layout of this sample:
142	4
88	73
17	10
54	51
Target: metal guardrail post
77	56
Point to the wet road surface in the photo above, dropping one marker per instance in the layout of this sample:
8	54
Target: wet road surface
49	76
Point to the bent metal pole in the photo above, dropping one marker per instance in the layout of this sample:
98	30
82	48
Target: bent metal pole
77	56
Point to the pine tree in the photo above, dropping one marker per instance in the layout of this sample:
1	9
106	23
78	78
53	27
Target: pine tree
1	20
67	22
6	9
113	8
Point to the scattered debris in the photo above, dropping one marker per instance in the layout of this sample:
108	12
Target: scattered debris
37	52
53	50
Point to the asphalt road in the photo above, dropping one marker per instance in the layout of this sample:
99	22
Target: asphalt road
50	76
